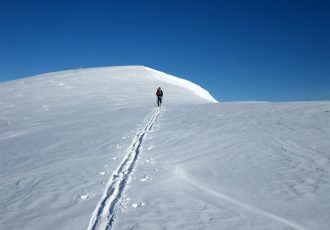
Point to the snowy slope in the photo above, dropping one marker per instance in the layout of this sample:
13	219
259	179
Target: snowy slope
63	133
87	148
234	166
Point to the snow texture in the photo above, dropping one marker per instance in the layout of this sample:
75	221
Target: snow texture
88	149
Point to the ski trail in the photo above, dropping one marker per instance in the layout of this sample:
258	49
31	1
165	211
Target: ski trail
104	214
186	177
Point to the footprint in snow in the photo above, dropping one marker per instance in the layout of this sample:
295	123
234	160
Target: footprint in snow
151	162
123	204
84	197
145	178
137	205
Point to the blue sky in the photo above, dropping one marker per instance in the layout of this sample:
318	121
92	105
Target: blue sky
274	50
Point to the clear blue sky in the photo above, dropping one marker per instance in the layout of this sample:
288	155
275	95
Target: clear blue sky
275	50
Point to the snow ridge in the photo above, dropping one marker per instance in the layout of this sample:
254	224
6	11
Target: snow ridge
196	89
104	214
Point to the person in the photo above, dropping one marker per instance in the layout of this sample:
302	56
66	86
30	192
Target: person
159	94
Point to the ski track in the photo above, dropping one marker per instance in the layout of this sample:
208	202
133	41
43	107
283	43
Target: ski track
104	214
189	179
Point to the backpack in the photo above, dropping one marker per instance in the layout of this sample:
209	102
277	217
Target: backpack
159	92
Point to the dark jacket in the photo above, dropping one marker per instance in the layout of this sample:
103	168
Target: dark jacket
159	93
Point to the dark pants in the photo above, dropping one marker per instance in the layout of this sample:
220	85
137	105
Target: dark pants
159	101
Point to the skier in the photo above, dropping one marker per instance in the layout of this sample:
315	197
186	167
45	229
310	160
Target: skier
159	94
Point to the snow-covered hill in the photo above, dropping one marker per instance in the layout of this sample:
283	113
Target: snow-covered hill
88	149
113	86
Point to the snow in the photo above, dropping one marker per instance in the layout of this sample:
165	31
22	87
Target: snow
70	140
196	89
